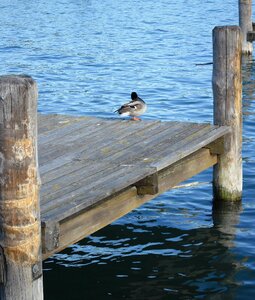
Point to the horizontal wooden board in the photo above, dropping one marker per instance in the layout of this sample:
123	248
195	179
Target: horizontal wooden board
87	163
71	230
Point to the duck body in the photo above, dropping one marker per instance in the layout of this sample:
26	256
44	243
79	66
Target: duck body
134	108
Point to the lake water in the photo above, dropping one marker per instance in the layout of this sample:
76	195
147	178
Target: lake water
87	56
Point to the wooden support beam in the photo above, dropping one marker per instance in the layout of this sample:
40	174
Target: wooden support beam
217	147
227	93
245	23
149	185
50	236
20	239
86	222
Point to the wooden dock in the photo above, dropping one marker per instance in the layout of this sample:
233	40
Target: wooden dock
94	171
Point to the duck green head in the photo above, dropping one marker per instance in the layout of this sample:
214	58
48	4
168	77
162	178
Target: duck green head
134	95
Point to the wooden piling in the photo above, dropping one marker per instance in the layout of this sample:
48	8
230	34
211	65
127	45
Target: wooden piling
245	23
20	234
227	93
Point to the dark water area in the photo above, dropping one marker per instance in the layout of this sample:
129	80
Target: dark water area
87	56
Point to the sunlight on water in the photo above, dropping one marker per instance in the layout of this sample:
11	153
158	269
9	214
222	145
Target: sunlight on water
87	56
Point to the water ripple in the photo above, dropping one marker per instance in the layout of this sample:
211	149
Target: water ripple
87	56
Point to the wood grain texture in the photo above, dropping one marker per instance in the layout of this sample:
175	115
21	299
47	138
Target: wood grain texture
245	23
98	216
227	93
20	238
87	195
87	168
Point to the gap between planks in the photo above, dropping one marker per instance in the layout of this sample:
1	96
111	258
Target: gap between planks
88	221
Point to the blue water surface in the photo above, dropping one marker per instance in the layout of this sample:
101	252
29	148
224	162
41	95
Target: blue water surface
87	56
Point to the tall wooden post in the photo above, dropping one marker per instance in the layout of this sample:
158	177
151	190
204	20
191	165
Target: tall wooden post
20	236
227	94
245	23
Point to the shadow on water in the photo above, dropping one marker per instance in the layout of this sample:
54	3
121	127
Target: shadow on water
137	262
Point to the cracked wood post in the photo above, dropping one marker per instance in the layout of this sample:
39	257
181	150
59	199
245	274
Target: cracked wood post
20	230
227	94
245	23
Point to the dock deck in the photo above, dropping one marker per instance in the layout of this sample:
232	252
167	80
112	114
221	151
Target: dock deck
94	170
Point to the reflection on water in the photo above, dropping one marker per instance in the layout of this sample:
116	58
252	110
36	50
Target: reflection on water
140	259
226	216
248	71
87	56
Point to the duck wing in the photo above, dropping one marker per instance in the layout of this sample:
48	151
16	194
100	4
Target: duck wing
133	108
125	107
136	105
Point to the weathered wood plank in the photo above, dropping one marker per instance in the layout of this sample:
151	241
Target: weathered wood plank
186	147
186	168
245	23
132	144
83	173
75	129
69	127
85	176
91	142
79	183
102	133
50	236
20	238
97	151
227	93
81	137
217	146
148	185
85	196
48	123
150	151
142	151
88	221
173	146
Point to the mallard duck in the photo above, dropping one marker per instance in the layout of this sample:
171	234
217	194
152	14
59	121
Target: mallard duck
134	108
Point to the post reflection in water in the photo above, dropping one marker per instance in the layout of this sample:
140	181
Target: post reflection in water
226	216
137	261
202	263
86	56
